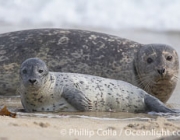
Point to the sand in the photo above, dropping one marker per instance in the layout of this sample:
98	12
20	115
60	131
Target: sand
82	128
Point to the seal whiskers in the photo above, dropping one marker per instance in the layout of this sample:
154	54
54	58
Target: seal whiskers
145	83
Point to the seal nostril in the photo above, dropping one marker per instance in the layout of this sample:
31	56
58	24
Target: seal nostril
161	71
32	81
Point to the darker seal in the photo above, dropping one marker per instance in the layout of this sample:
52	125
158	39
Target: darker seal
152	67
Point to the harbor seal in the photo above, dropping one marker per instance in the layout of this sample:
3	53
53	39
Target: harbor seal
152	67
42	90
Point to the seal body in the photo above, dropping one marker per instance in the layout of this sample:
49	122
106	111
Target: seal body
153	67
42	90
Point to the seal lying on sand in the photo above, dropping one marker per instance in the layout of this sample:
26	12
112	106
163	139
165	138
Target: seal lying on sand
42	90
152	67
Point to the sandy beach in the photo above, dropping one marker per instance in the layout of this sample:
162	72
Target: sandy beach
82	128
69	127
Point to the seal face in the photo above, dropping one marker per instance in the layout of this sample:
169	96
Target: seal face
157	70
42	90
33	74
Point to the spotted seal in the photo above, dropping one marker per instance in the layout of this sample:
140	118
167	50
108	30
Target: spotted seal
42	90
152	67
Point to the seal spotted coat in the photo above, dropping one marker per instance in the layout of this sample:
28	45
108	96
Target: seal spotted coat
42	90
152	67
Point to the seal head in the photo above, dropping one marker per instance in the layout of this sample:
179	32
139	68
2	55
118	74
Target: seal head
157	68
33	73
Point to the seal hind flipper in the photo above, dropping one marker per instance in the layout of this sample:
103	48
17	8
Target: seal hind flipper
77	99
154	104
176	110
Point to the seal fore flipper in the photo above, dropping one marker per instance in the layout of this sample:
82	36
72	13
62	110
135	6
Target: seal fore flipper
154	104
77	99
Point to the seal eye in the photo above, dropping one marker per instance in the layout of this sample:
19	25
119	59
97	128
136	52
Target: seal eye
40	71
169	58
24	71
149	60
